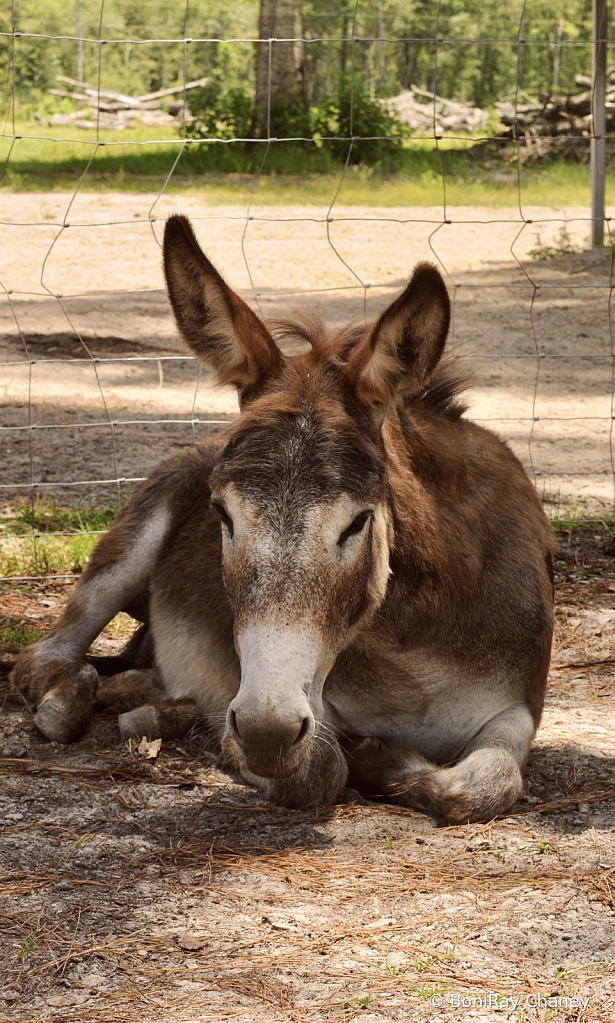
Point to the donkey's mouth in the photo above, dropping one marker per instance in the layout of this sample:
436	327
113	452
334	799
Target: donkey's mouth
259	762
282	766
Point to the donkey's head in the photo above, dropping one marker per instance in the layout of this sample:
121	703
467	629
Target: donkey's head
301	487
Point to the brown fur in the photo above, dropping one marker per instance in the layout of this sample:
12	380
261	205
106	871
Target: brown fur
377	605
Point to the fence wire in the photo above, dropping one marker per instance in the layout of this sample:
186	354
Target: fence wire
576	477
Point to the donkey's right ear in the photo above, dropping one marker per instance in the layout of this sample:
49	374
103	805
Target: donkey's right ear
214	322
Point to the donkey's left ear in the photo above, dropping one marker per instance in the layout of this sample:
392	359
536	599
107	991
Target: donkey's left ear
215	322
406	343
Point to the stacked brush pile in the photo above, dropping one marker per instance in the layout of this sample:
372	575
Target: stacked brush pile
549	127
557	125
116	111
428	114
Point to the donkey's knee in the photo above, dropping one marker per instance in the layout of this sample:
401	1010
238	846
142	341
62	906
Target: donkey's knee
65	696
129	689
168	719
484	785
379	771
487	781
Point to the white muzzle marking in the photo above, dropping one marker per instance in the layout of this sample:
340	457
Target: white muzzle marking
282	675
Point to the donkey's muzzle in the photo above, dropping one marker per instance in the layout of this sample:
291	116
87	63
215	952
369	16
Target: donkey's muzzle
271	718
272	747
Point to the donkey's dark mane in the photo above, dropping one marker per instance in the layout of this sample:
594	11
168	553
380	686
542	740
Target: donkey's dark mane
442	395
310	328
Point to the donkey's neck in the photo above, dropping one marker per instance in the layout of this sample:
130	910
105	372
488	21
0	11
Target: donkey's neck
418	540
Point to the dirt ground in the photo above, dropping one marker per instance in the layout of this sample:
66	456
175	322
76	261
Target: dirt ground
161	889
536	338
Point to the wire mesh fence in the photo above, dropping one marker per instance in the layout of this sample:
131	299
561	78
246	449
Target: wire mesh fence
95	386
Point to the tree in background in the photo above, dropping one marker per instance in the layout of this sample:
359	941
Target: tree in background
281	87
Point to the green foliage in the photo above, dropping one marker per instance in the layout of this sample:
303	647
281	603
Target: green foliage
293	172
477	72
219	115
47	516
53	556
126	63
562	247
17	637
355	1005
27	945
352	114
22	554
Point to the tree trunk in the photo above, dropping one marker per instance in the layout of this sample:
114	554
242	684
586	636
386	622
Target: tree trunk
280	81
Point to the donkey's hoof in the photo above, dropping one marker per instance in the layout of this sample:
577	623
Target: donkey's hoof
55	721
141	721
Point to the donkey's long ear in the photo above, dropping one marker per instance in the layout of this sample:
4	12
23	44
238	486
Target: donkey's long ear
216	324
405	344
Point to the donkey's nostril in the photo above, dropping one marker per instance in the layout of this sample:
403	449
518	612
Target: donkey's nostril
231	724
303	733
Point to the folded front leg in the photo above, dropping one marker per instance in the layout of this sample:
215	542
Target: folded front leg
53	673
129	689
166	719
484	783
66	706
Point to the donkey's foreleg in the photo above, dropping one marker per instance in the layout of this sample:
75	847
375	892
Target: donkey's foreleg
67	695
52	673
484	783
487	780
129	689
167	719
143	707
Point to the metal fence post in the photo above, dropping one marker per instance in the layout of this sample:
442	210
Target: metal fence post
598	140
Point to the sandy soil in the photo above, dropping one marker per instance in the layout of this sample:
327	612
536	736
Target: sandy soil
162	890
537	339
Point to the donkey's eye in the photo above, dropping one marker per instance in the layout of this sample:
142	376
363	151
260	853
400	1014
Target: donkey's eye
355	526
224	515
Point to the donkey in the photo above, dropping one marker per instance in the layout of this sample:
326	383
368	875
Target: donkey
352	584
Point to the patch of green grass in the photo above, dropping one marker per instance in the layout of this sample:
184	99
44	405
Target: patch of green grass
17	637
27	945
22	554
422	964
302	173
355	1005
594	969
563	514
450	955
428	990
36	557
47	516
562	247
